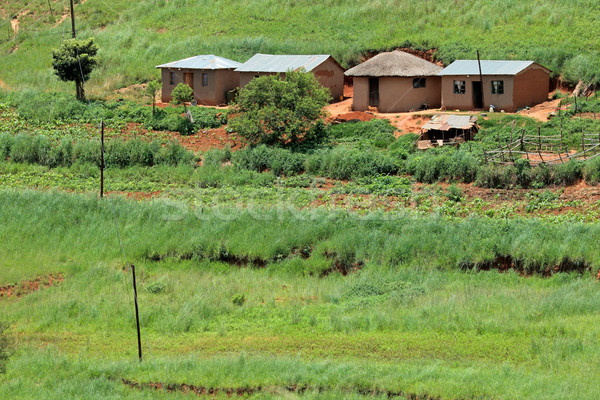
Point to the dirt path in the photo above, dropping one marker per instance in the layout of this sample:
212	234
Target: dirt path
542	111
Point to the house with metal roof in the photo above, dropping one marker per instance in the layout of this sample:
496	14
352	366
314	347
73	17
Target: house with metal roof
210	77
325	68
506	85
396	81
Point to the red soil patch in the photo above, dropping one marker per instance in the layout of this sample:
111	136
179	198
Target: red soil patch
542	111
26	287
209	139
355	116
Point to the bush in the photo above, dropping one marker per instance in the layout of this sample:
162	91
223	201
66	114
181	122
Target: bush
31	149
216	157
454	193
591	171
6	141
275	110
567	173
404	146
496	177
345	163
262	158
238	299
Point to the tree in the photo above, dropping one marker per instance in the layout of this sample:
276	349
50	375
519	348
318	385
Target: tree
74	61
275	110
151	91
182	94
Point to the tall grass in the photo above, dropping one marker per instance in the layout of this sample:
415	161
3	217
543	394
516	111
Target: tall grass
133	41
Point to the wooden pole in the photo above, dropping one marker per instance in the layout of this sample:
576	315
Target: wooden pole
481	79
540	144
72	20
137	313
50	7
510	143
583	142
101	159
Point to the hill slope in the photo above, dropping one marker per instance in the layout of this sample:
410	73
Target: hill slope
135	36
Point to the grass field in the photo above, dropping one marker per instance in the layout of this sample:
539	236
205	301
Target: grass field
410	323
561	35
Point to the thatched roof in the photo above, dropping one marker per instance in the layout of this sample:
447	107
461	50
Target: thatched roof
395	63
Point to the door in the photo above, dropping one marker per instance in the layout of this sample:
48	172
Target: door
374	92
188	79
477	94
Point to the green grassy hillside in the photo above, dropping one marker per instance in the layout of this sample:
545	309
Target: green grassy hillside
136	36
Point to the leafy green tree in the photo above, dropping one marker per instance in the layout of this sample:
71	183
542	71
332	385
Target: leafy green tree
182	94
74	61
275	110
151	91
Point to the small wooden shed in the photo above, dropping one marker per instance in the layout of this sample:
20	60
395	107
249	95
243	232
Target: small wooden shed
447	129
209	76
396	81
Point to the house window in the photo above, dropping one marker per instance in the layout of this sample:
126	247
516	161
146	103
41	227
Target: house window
419	83
497	87
204	79
459	87
172	78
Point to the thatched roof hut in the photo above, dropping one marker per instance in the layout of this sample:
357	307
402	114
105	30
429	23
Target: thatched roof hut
396	82
395	63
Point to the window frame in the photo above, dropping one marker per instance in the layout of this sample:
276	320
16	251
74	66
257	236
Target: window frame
498	87
205	79
420	82
171	78
462	89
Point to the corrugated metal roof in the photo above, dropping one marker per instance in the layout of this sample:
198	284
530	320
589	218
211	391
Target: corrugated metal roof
488	67
282	63
445	122
208	61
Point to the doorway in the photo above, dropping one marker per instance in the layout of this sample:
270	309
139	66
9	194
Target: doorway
188	79
477	94
374	92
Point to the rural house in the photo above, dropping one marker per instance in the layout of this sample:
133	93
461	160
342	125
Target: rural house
209	76
325	68
396	81
507	85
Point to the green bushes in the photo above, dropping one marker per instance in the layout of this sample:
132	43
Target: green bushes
524	176
41	150
378	133
262	158
430	167
346	163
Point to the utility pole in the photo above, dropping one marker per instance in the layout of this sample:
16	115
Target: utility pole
72	20
137	314
480	79
101	159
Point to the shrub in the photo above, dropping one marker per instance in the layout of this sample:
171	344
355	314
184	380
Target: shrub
216	157
6	141
345	163
275	110
260	158
591	171
454	193
87	151
404	146
496	177
31	149
567	173
238	299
